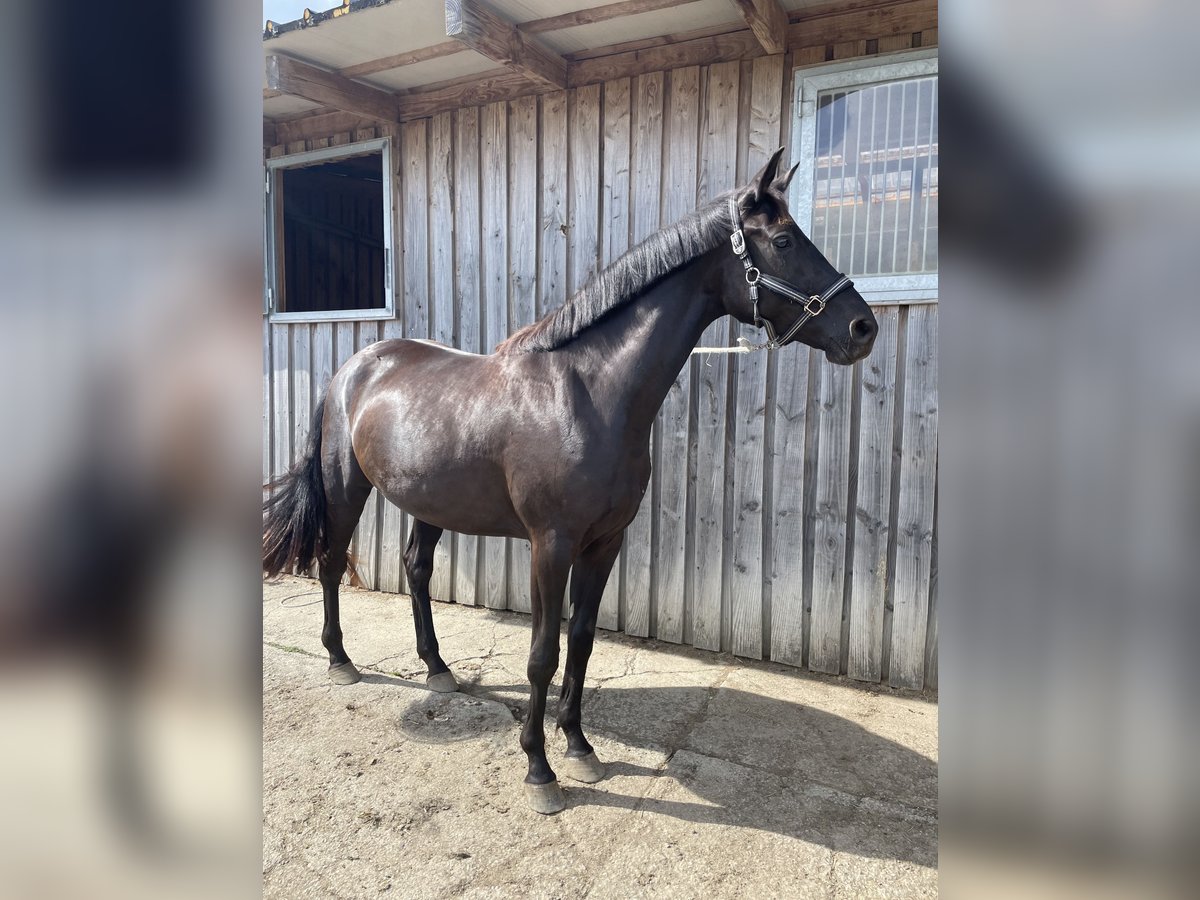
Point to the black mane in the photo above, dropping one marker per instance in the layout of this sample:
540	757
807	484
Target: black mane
640	268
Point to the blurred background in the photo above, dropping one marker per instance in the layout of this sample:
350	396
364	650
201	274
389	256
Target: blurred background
130	302
130	296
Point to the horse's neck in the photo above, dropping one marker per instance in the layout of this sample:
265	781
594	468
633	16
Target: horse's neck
630	360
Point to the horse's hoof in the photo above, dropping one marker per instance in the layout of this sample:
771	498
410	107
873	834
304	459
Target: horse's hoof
587	769
545	798
344	673
442	682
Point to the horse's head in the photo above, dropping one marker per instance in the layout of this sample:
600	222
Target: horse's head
801	296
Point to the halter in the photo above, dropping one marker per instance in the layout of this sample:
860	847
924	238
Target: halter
813	304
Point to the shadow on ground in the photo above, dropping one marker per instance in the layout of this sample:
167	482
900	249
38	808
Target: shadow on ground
733	758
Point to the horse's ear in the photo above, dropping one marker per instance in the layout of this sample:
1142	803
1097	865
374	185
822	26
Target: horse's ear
761	183
781	183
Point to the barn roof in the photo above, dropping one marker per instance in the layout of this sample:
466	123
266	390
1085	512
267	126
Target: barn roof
394	60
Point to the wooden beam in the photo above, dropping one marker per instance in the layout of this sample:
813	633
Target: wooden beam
290	76
703	51
834	25
597	14
319	125
473	90
767	20
658	40
477	26
446	48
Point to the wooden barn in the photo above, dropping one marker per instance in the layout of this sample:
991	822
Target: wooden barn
453	170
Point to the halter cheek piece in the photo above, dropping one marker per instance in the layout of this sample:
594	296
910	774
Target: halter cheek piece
813	304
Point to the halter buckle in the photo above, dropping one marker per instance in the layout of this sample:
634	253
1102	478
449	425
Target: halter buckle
815	305
752	279
739	242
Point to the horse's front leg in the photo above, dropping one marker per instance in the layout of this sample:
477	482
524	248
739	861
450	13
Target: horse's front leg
551	560
588	579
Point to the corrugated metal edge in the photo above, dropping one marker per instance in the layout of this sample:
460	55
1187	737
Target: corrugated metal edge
311	19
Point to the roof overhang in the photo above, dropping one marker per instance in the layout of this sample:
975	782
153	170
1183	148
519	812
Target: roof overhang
396	60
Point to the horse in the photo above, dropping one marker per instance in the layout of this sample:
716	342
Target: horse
547	439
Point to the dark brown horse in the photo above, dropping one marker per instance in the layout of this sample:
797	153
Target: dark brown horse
548	438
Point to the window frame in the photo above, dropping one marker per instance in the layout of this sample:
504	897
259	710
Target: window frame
809	83
273	183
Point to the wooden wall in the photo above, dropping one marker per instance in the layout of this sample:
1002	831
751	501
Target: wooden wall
791	512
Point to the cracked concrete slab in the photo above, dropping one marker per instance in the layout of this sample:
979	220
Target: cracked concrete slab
727	778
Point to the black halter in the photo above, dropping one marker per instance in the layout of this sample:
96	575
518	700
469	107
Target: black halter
813	304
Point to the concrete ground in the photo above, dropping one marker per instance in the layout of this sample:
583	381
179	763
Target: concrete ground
728	778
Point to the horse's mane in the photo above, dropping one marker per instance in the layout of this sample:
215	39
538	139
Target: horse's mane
630	276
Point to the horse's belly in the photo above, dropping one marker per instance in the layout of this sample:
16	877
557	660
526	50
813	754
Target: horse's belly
469	500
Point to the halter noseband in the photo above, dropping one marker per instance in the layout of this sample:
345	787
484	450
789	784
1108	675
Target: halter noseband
813	304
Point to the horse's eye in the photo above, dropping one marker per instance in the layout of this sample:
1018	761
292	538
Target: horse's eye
783	242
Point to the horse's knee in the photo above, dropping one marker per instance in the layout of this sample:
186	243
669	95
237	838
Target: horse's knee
543	663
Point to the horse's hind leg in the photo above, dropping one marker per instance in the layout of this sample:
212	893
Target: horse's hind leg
418	564
588	579
346	493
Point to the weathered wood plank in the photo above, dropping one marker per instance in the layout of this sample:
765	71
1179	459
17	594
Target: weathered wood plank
891	43
344	348
441	297
282	406
268	422
747	571
494	262
413	165
681	133
467	230
522	282
710	375
300	363
931	636
868	585
367	536
829	515
554	210
644	205
583	246
552	258
914	519
614	241
787	513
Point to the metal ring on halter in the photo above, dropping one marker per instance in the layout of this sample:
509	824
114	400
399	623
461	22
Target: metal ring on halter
757	274
816	300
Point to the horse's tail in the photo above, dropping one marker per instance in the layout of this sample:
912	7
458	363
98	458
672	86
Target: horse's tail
294	513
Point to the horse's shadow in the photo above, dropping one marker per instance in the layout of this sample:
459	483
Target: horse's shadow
756	762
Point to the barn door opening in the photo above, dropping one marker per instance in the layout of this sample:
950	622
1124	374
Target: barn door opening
329	234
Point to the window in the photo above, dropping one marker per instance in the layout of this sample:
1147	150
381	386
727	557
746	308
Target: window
329	234
867	188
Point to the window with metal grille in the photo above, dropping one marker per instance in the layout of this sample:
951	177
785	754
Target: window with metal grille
867	191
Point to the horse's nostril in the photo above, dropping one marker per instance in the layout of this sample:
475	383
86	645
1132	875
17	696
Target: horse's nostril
863	330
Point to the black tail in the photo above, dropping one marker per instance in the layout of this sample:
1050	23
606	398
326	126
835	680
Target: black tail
294	516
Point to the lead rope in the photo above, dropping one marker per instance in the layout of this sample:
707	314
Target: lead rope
814	304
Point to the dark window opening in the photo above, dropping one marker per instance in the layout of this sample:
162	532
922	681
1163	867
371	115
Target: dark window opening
330	241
